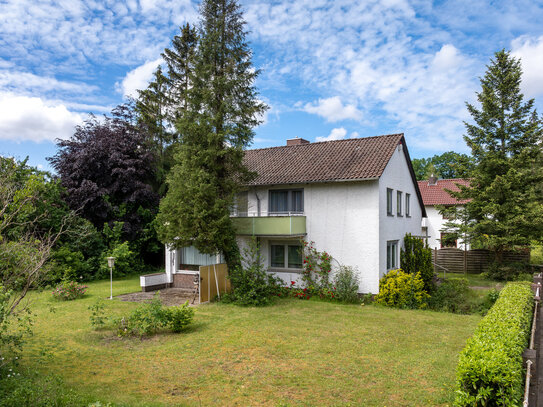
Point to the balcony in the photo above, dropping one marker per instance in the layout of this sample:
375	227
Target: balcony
273	225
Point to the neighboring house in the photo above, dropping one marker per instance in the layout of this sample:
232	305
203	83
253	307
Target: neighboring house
434	193
356	199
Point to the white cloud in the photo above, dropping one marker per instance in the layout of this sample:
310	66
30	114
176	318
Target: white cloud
24	118
530	51
138	78
335	134
333	110
384	62
30	83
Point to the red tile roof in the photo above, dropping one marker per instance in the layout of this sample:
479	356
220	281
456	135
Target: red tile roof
340	160
437	194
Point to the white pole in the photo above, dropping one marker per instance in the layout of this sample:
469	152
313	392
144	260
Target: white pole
111	283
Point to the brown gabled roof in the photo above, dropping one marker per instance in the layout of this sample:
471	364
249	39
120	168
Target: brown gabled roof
437	194
340	160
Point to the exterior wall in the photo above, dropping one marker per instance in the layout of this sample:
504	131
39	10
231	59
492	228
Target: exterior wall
397	177
435	223
151	282
341	218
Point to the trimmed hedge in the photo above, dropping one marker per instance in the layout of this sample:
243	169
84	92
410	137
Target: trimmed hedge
490	371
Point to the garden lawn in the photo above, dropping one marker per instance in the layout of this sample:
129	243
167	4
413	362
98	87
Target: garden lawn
294	353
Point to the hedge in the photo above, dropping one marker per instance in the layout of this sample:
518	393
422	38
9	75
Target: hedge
490	369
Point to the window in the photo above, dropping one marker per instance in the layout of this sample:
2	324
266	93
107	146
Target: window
392	254
407	205
286	255
241	205
399	203
286	201
191	256
389	202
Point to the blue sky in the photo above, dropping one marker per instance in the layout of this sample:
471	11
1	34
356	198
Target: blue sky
331	69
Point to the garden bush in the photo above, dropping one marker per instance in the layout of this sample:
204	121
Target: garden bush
148	318
69	290
490	368
125	261
416	257
451	295
506	271
252	285
346	285
402	290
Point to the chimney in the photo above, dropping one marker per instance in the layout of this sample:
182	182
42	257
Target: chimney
432	180
296	141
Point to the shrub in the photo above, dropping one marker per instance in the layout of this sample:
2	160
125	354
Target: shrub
506	271
402	290
346	285
148	318
490	368
69	290
36	390
125	261
145	320
451	296
68	265
179	317
416	257
252	284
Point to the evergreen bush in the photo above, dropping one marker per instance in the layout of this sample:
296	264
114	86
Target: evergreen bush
490	368
252	284
402	290
416	257
346	285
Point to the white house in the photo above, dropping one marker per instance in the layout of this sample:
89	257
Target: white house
355	198
434	193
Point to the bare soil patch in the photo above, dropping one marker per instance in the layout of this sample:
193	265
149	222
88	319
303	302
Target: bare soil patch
168	296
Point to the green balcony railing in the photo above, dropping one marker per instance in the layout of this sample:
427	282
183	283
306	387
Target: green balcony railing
270	225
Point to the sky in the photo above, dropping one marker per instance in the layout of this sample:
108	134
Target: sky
330	69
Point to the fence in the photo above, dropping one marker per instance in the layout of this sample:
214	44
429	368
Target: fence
474	261
213	281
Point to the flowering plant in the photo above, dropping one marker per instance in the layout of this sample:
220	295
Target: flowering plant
69	290
316	267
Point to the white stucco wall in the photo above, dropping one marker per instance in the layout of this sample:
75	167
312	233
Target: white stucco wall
342	218
435	223
398	178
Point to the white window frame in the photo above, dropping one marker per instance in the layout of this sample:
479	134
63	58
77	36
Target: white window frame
285	244
289	201
392	255
399	198
390	209
407	205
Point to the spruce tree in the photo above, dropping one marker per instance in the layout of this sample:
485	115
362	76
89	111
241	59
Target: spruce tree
180	61
505	140
217	125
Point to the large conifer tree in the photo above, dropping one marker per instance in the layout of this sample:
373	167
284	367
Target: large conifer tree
221	111
506	205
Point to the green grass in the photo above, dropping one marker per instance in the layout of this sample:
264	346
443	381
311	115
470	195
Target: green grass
294	353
